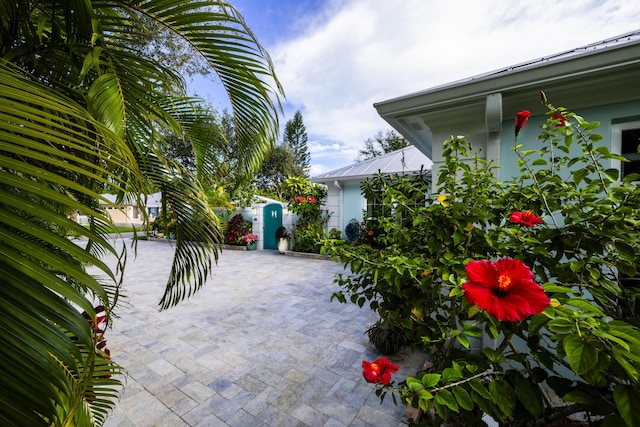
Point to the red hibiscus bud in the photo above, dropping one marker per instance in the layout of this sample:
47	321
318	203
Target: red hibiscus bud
521	119
562	119
543	97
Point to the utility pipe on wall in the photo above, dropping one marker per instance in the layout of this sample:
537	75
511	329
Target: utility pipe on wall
336	183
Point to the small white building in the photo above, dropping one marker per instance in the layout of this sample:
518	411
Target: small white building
266	216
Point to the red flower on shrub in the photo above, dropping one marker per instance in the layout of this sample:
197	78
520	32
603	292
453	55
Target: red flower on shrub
312	199
526	218
379	371
521	119
504	289
561	117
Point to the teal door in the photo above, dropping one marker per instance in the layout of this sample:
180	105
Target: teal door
272	215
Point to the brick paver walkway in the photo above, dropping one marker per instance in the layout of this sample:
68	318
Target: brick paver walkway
259	345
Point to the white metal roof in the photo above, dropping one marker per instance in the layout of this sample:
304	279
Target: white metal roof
405	160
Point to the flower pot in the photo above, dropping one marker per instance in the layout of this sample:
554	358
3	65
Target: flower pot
283	245
172	235
252	246
388	339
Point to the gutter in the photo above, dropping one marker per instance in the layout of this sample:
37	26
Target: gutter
336	183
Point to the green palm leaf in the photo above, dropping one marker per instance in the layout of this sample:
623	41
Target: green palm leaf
44	284
86	112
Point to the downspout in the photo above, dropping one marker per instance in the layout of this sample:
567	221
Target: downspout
493	122
336	183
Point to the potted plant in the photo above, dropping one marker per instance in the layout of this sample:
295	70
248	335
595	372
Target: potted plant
282	239
172	225
251	241
387	338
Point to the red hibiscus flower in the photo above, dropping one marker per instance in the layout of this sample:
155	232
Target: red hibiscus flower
379	371
562	119
521	119
504	289
526	218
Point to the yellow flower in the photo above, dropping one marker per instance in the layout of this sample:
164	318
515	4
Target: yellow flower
442	200
469	227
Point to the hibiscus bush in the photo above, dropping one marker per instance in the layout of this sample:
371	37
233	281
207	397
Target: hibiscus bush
524	292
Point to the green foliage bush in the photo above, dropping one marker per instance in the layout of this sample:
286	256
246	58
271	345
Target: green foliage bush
305	200
583	348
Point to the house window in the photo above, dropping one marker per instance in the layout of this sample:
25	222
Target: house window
625	138
375	208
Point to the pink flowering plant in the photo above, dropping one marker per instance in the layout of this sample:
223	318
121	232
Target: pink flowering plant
524	292
250	238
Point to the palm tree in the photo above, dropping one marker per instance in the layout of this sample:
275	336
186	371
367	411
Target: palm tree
85	111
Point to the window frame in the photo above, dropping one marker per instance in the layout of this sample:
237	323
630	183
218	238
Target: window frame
616	142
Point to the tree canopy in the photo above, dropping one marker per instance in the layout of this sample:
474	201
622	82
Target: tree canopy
382	143
295	135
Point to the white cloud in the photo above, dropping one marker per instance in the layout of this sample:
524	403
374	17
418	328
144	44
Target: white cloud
365	51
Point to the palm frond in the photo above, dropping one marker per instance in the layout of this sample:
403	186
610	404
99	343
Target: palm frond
43	140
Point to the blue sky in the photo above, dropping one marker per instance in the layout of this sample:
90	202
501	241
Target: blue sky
335	58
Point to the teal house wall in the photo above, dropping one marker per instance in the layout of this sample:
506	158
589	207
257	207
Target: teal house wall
600	82
354	204
344	198
608	116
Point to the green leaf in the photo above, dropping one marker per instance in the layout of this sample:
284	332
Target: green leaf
451	374
612	174
536	323
430	380
463	340
622	357
445	398
561	324
471	330
579	175
579	397
627	398
414	385
425	395
503	396
585	305
625	251
463	398
551	288
529	395
581	354
477	386
494	356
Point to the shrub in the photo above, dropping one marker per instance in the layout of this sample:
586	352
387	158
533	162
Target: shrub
236	228
539	269
305	200
334	233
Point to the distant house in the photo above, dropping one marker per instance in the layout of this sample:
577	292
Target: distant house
344	198
600	82
128	212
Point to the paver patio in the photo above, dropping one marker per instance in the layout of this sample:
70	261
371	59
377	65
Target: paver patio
259	345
